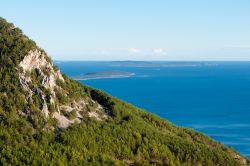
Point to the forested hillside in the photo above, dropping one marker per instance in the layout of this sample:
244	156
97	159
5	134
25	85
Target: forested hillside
48	119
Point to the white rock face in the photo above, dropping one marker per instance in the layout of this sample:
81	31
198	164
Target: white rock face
62	120
78	106
24	81
45	109
35	60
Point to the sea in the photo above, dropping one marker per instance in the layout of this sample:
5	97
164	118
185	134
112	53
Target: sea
211	97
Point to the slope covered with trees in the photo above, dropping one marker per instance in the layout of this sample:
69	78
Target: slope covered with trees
126	135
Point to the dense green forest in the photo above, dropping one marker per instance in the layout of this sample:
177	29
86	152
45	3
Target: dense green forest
128	136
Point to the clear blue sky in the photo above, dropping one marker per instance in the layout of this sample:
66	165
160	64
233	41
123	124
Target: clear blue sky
135	29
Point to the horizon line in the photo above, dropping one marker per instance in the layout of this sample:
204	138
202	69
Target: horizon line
101	60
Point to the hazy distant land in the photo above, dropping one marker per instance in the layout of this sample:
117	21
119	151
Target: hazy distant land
161	64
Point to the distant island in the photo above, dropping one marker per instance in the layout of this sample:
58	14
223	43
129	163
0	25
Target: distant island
161	64
105	74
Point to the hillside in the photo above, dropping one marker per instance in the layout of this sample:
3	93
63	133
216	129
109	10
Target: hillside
48	119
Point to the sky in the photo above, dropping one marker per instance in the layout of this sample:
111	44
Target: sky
175	30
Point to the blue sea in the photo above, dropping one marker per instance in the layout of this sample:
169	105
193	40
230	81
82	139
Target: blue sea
211	97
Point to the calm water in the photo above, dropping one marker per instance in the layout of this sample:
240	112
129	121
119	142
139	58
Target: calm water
214	98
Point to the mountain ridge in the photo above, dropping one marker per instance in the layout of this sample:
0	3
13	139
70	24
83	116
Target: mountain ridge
47	118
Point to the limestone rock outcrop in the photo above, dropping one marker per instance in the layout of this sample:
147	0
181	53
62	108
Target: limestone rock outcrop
37	62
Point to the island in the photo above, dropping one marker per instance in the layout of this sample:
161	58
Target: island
104	74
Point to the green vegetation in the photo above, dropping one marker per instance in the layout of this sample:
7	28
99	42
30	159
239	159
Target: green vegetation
129	136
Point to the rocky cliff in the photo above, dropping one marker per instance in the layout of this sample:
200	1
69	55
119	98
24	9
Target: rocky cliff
36	62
